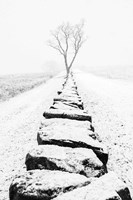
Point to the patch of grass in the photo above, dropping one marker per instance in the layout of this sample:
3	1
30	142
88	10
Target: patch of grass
12	85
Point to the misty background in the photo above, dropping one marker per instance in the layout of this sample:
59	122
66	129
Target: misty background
25	27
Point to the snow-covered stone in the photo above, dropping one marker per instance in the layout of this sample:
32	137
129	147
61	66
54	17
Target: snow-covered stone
70	136
77	114
44	184
107	187
75	160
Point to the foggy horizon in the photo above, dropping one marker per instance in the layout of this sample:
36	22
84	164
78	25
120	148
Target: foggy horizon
25	28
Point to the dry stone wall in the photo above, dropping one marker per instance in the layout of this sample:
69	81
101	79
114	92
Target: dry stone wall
70	160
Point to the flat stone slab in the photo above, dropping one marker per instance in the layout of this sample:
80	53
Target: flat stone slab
70	97
56	122
111	181
74	160
107	187
71	93
82	138
70	136
44	184
77	103
67	114
70	90
89	194
65	106
57	185
72	87
67	100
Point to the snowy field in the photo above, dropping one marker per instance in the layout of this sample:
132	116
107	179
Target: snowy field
109	101
12	85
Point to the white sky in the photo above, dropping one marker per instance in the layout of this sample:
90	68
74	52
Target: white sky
25	27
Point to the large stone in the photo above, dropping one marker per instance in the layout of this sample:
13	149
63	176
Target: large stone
88	193
74	104
70	90
77	103
54	123
67	114
52	157
44	184
111	181
71	97
71	93
107	187
60	98
64	106
74	137
73	87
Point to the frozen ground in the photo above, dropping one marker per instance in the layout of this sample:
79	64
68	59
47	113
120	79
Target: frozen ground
110	102
13	85
19	122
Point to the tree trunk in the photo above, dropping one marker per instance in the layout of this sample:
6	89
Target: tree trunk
72	60
66	65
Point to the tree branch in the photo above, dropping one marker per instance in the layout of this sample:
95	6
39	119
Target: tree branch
55	47
66	38
56	36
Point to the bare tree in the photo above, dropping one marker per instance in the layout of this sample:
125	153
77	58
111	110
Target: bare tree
67	39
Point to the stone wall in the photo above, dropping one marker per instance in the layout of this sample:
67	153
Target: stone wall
70	160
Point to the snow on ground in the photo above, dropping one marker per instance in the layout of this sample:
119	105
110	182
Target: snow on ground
110	102
19	122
